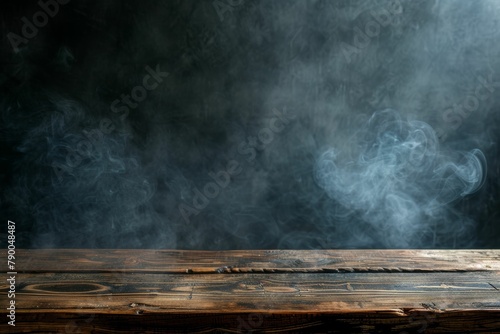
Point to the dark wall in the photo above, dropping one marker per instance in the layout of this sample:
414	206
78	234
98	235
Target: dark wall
255	124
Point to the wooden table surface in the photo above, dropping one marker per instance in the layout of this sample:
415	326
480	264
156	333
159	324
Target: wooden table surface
264	291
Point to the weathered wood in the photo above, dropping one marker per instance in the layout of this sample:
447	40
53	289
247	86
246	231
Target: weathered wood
174	261
359	291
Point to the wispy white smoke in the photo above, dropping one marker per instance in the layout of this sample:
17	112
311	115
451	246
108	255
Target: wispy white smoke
401	182
330	64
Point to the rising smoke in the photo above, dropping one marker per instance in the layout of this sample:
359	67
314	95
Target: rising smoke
280	124
401	183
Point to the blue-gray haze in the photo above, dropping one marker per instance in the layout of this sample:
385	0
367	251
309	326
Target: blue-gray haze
265	124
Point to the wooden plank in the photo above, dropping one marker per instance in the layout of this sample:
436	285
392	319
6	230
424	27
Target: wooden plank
281	293
176	261
327	291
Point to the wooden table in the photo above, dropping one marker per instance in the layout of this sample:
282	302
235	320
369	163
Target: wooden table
269	291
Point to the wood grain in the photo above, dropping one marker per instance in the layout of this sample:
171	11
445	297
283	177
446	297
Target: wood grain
327	291
206	262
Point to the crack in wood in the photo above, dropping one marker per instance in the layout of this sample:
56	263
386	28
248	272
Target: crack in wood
141	307
191	293
224	269
232	270
430	306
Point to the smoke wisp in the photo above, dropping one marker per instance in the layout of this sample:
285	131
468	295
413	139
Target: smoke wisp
401	183
251	124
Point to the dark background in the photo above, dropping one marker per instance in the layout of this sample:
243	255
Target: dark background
231	65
